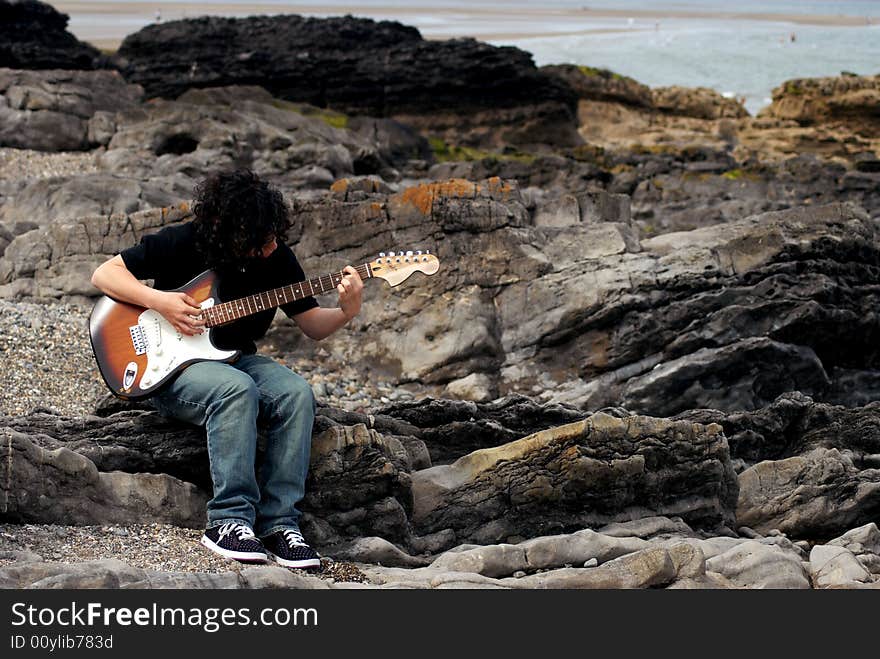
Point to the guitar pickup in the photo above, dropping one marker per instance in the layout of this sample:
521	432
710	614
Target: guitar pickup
138	340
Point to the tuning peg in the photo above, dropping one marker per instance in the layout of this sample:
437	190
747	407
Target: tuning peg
427	251
418	252
390	253
381	254
409	252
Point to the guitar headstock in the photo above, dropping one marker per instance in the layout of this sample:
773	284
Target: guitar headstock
396	267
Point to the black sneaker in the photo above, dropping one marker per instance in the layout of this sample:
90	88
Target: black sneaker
290	549
236	541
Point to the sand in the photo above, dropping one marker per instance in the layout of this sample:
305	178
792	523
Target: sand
517	22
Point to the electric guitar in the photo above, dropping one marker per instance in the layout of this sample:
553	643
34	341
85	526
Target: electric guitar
138	351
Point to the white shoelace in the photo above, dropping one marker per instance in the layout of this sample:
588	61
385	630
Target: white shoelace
294	538
241	531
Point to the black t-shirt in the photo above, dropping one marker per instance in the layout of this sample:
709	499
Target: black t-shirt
171	259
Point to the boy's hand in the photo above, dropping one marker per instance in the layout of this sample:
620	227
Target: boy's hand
181	311
350	292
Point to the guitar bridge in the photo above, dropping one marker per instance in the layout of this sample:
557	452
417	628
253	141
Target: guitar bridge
138	340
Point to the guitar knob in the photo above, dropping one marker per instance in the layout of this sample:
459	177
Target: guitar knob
158	352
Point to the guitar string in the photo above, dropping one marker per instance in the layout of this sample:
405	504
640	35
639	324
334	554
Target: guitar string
227	309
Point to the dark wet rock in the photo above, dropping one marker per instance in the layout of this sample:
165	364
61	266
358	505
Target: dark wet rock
33	35
793	424
359	66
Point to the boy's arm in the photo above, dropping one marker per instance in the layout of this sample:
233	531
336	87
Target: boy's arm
319	323
179	309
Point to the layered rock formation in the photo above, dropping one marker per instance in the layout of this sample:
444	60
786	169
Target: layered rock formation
369	486
727	317
663	338
61	110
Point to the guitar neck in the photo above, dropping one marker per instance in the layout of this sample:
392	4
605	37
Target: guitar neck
226	312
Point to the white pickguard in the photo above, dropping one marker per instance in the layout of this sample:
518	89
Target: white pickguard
167	348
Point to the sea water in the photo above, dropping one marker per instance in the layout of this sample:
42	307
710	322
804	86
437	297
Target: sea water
704	45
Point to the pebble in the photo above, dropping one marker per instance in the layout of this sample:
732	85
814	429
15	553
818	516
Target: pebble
160	547
26	164
47	364
46	360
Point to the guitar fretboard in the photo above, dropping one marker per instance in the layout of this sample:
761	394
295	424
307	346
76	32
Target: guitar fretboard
226	312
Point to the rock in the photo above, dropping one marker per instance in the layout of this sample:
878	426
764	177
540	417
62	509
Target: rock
594	84
359	66
450	429
65	199
697	102
864	542
492	561
835	566
602	85
794	424
113	573
723	378
358	483
848	100
754	565
24	556
818	494
358	480
376	550
476	386
33	35
239	125
575	462
642	569
53	110
396	143
549	552
710	581
688	560
867	161
646	527
62	486
865	539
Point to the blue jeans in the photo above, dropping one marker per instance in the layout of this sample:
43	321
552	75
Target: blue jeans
227	399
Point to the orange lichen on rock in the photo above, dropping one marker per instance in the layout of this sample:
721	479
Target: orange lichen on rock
422	196
498	188
339	185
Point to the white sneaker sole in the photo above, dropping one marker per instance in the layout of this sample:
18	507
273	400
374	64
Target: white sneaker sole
242	556
303	563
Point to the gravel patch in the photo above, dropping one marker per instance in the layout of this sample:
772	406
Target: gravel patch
47	364
47	361
26	164
159	547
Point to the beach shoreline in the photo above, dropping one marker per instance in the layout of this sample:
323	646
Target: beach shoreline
459	21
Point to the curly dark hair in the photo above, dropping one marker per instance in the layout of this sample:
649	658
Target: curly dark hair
236	212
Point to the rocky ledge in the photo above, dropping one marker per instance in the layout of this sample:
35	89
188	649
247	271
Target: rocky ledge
611	500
